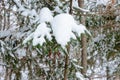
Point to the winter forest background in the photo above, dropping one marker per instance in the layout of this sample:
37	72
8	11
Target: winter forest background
59	39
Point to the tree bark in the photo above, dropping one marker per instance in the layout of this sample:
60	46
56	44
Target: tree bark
8	15
4	16
81	3
66	67
84	42
84	54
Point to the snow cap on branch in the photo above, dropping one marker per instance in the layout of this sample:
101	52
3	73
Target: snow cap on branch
40	33
63	26
45	15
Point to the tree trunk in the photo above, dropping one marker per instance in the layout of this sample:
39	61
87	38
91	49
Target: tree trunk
66	67
81	3
8	15
4	24
84	54
84	42
68	49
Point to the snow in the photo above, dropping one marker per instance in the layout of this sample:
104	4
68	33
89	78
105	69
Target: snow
79	76
45	15
25	12
99	37
2	78
2	71
21	53
58	3
14	8
30	13
44	66
102	2
117	18
57	9
79	29
28	38
24	75
75	3
2	44
21	8
5	33
34	54
63	26
40	33
33	12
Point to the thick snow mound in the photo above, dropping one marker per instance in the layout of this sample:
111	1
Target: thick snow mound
45	15
62	28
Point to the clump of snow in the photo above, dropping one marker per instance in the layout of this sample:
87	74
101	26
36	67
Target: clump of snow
21	53
13	76
45	15
62	28
40	33
44	66
57	9
75	4
5	33
24	11
33	12
79	76
34	54
27	12
79	29
117	19
58	2
19	5
24	75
